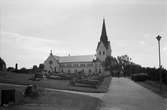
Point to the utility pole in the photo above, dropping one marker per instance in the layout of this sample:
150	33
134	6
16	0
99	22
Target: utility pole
159	38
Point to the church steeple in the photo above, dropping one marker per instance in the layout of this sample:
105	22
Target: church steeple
103	48
103	37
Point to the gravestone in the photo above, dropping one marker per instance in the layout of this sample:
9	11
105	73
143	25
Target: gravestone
7	96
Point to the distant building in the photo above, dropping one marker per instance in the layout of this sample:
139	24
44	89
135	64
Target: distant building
85	63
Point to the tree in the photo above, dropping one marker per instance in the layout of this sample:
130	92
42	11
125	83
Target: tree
10	69
128	66
111	64
22	70
35	68
41	66
2	65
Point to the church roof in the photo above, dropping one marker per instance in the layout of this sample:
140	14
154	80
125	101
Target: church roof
79	58
104	37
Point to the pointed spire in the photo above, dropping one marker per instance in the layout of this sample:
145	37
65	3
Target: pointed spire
103	37
103	29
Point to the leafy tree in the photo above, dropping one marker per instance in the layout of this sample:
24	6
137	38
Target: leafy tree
22	70
11	69
41	66
111	64
35	68
2	65
127	65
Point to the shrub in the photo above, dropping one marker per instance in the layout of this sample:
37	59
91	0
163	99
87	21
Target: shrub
139	77
31	91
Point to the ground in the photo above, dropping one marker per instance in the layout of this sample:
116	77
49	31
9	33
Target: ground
154	86
24	79
52	100
123	94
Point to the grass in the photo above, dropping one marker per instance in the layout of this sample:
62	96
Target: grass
23	79
15	78
154	86
49	100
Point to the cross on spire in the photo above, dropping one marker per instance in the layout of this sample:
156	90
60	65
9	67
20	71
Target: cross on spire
51	52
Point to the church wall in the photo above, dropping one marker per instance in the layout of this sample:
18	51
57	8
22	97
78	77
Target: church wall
72	67
101	52
51	64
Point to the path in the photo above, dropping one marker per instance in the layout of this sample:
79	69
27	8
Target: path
125	94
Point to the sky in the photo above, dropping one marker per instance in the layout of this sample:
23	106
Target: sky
29	29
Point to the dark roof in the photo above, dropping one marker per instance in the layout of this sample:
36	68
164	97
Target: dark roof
79	58
104	37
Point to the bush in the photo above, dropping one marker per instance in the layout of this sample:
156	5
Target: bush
139	77
31	91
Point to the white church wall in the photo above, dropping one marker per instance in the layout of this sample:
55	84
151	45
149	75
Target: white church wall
101	52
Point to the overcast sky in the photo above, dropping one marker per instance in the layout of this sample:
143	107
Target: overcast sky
29	29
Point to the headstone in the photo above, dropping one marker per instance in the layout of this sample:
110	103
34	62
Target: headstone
7	97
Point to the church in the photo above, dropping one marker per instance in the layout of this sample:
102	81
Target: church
88	64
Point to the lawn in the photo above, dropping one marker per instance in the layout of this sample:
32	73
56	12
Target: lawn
154	86
23	79
49	100
15	78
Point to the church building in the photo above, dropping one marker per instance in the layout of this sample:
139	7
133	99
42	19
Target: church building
83	63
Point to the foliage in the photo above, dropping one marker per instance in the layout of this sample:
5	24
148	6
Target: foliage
111	64
154	74
35	69
128	67
41	66
2	65
139	77
10	69
31	91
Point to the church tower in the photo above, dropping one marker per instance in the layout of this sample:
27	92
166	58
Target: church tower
103	48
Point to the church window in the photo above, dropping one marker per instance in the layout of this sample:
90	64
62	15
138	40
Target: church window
82	65
89	70
103	52
100	53
75	70
50	62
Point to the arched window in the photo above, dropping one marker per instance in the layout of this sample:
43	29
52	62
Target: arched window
99	52
50	62
103	52
90	71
